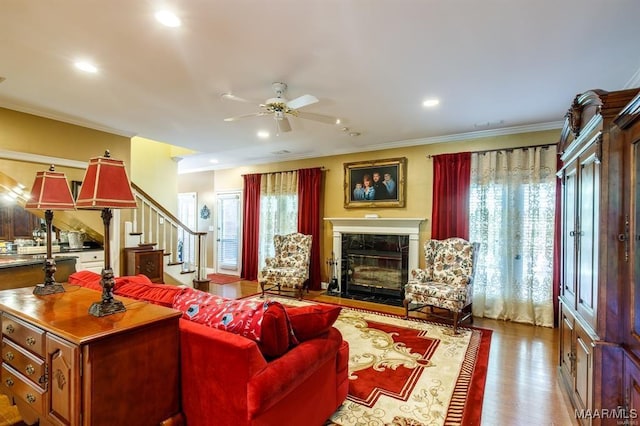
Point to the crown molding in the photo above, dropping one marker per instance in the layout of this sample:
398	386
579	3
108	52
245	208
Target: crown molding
42	159
634	81
65	119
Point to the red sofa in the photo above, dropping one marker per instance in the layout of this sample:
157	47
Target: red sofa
299	378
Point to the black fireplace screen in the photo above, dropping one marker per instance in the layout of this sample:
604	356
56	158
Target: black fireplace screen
374	264
370	268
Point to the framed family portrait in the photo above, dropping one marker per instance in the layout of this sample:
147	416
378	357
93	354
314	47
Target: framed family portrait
378	183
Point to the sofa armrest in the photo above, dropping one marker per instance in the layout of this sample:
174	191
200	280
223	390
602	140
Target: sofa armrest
286	373
214	365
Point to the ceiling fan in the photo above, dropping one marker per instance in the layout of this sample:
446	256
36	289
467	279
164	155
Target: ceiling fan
281	108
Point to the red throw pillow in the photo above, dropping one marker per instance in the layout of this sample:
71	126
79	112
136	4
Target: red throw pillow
263	321
311	321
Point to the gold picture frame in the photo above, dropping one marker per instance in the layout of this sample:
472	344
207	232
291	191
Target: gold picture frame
376	183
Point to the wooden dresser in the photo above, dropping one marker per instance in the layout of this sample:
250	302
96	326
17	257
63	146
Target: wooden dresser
63	366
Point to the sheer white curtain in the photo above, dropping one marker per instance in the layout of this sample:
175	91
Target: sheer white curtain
512	208
278	210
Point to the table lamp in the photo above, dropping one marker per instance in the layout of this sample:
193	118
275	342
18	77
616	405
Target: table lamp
50	192
105	187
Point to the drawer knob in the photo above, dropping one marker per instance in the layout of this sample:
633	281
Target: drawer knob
30	398
31	341
30	370
9	355
9	382
9	328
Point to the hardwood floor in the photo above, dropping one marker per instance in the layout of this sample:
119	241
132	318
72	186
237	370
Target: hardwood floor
522	384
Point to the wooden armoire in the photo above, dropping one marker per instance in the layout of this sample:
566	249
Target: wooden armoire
594	255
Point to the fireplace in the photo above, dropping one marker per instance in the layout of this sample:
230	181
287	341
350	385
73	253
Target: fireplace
376	266
374	256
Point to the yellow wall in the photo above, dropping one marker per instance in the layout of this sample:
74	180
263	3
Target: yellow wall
154	170
30	134
419	178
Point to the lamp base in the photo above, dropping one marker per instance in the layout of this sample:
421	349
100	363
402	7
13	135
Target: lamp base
46	289
102	309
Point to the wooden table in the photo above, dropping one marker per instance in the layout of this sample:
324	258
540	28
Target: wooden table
119	369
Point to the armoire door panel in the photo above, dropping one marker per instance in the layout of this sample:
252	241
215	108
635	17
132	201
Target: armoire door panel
634	243
569	237
588	219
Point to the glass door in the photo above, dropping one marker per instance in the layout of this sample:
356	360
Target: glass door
229	229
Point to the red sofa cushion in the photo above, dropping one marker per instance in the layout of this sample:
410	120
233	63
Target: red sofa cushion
86	279
91	280
262	321
311	321
141	288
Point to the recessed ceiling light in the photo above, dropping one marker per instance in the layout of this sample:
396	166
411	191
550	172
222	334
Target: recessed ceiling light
263	134
213	161
168	18
338	121
86	67
430	102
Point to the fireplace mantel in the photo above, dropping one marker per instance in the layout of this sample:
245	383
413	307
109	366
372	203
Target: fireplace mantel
376	225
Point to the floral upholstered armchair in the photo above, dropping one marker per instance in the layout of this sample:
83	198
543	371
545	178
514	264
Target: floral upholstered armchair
447	280
289	268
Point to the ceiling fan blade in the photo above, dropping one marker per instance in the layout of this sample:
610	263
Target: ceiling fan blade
283	125
318	117
238	117
233	97
302	101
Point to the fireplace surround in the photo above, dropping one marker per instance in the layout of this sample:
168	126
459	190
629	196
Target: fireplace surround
374	255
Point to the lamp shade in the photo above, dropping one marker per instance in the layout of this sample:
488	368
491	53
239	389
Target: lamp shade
50	191
106	185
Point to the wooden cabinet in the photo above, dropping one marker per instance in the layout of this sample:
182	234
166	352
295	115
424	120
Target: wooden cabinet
146	261
63	366
16	222
87	260
628	122
593	253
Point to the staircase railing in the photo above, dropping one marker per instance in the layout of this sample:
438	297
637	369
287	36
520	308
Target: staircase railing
182	246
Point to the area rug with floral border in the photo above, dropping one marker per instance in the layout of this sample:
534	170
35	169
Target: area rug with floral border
409	372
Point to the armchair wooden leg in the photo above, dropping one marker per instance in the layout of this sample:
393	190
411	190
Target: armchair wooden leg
262	288
406	303
455	322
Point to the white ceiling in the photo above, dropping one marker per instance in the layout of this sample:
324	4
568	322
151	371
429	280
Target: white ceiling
514	64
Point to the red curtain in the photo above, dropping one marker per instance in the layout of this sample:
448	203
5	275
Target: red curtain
557	249
251	226
451	180
309	197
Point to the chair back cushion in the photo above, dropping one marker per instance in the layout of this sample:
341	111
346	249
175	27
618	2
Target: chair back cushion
450	260
292	250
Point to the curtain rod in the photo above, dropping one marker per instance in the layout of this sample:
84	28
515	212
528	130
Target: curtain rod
286	171
545	146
